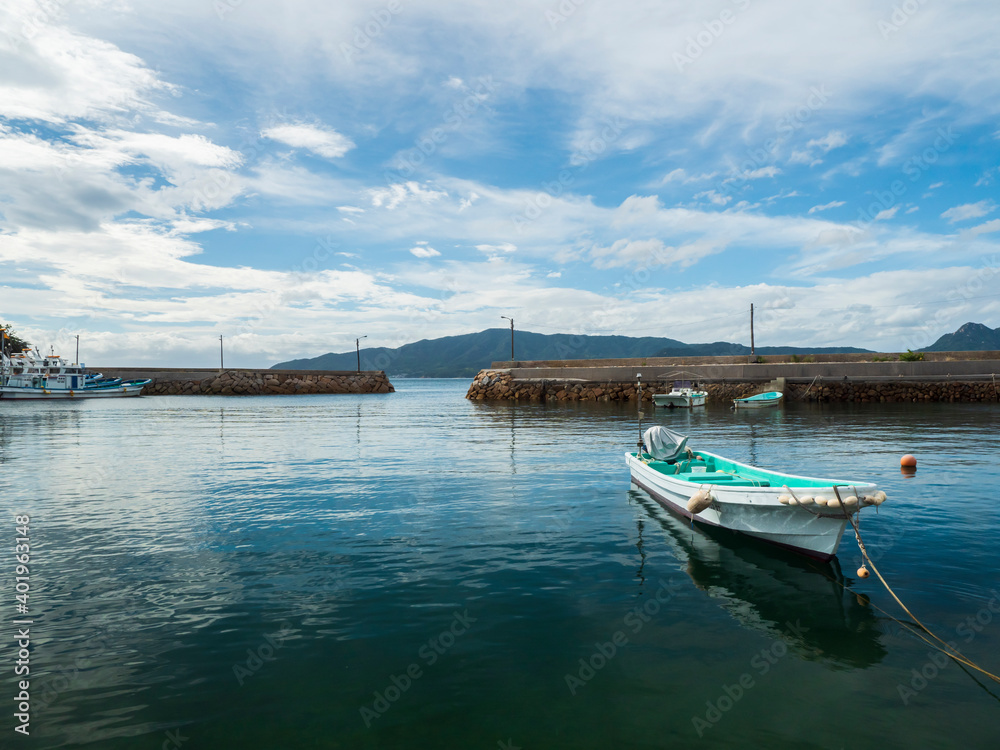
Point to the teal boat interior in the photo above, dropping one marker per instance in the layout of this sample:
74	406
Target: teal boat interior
666	452
770	396
707	468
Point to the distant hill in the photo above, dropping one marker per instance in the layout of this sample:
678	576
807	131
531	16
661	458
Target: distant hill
463	356
972	337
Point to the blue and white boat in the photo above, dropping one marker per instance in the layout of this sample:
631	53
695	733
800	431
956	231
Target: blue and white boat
29	375
805	514
760	401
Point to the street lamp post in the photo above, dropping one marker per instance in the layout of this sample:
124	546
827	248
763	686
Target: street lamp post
511	336
77	349
222	356
357	345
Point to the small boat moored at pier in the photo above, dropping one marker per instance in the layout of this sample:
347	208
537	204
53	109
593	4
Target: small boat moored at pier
683	396
806	514
760	401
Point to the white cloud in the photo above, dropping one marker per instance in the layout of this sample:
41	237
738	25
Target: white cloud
714	196
886	214
826	206
323	141
423	251
396	194
968	211
986	228
497	252
54	74
833	139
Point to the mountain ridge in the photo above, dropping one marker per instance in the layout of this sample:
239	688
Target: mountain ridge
464	355
970	337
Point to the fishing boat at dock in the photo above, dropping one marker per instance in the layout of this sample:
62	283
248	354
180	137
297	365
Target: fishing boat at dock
684	395
805	514
30	375
759	401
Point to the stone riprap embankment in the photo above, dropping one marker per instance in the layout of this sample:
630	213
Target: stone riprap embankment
941	379
238	382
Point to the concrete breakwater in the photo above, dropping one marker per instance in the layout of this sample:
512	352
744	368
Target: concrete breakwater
238	382
501	385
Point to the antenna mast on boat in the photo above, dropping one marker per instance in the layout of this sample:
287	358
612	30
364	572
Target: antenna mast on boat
752	350
638	394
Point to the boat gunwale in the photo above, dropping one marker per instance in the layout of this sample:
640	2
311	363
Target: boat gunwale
830	483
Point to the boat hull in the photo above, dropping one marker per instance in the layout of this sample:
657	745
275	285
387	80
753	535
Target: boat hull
754	511
678	401
755	402
119	391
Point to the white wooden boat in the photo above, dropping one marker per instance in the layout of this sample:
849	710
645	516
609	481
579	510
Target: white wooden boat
806	514
760	401
29	375
684	395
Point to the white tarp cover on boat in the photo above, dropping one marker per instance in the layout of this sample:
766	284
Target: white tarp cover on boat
663	444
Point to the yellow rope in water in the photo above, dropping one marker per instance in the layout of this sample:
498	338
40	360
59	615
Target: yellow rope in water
948	650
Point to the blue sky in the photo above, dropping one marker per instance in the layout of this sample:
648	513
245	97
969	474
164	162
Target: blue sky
291	175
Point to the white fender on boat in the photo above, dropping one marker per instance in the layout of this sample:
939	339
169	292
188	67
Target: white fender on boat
851	501
793	501
820	501
879	497
783	499
807	500
833	503
699	501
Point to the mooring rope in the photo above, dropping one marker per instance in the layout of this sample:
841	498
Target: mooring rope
948	650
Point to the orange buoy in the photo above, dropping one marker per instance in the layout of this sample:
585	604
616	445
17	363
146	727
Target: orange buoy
863	572
908	461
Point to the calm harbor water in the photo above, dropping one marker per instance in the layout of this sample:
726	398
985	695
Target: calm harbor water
417	571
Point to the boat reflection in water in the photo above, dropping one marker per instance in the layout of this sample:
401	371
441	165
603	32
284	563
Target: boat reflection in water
772	591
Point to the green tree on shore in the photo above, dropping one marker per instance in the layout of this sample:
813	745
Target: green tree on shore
11	341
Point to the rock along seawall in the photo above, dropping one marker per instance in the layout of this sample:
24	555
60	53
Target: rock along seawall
500	385
212	382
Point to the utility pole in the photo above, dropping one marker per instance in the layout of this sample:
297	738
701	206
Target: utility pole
752	351
357	345
222	356
511	336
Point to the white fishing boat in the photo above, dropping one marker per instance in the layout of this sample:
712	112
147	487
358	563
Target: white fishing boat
30	375
760	401
806	514
684	395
